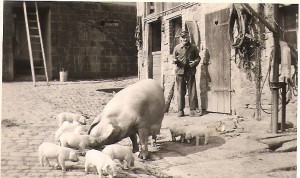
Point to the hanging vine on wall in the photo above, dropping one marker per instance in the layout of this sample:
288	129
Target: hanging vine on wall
244	37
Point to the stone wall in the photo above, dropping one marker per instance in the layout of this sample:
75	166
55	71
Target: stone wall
243	99
93	40
7	45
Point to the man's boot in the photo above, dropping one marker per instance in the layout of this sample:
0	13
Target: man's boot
203	112
180	113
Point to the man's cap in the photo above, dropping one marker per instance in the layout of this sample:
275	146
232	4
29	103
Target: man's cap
184	33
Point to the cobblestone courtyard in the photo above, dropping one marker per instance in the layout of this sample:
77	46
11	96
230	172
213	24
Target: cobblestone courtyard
28	119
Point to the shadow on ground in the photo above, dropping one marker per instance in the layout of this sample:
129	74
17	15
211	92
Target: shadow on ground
110	90
178	149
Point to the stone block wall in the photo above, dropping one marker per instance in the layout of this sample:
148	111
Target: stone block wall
7	45
93	39
243	100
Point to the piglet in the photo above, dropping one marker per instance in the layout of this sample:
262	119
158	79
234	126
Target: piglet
82	129
101	161
60	153
66	127
197	132
178	130
71	117
120	152
76	140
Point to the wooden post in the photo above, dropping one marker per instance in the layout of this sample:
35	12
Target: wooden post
275	80
283	108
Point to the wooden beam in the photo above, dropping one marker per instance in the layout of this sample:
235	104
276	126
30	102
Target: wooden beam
267	24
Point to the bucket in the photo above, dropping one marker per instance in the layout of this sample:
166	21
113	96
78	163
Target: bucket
63	76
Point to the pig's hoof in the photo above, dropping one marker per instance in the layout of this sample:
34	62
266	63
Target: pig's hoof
143	155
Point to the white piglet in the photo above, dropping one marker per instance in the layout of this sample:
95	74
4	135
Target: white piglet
71	117
66	127
76	140
120	152
82	129
59	153
101	161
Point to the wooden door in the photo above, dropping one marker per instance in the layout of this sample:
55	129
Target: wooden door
217	43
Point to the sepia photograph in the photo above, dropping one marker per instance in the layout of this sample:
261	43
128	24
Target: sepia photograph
142	89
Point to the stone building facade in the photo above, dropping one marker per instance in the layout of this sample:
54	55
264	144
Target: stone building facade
90	40
234	89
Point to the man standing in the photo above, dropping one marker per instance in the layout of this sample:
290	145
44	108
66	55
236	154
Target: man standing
186	59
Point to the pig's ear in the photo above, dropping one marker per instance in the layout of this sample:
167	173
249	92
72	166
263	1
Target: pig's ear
107	131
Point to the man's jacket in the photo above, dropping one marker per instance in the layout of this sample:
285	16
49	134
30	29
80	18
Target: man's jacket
185	55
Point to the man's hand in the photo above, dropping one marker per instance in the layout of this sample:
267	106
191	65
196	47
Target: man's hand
175	61
192	63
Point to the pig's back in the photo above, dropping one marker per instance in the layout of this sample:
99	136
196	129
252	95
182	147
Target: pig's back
95	157
142	100
116	151
51	149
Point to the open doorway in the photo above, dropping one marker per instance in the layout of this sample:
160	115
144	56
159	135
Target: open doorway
156	50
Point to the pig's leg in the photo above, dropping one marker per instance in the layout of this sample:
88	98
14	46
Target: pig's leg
132	162
206	138
134	143
197	140
182	136
82	149
125	164
154	139
57	164
62	164
127	161
173	136
47	161
86	167
41	160
99	170
143	134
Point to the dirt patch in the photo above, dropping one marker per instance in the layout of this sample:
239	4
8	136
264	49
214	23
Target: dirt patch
8	123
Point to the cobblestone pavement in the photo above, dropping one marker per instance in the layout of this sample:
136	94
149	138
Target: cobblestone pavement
28	114
28	119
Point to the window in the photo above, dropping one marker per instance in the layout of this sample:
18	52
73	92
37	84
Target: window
289	23
152	9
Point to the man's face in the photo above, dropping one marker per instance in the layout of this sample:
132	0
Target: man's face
185	39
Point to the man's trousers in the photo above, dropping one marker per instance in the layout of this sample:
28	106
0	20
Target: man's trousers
186	81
